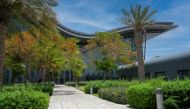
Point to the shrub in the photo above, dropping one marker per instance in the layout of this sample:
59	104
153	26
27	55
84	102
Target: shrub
82	83
141	96
23	100
176	94
96	85
12	88
116	94
179	91
43	87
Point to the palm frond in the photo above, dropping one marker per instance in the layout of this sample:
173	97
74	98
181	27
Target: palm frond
137	16
31	13
149	15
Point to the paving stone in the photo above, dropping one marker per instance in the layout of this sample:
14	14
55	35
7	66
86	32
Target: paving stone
65	97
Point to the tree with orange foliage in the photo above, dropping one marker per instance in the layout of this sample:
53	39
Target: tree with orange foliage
41	54
111	48
21	48
74	61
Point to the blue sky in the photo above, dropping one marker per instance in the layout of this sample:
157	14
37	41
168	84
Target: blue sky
100	15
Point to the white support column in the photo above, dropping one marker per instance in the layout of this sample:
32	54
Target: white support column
159	98
91	90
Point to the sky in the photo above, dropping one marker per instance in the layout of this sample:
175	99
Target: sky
92	16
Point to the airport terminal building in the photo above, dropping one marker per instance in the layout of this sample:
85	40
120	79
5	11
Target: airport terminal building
127	34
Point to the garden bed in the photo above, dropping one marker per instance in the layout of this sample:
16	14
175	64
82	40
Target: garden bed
142	95
26	96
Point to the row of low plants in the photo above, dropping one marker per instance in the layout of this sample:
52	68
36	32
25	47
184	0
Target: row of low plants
25	96
81	83
116	94
142	95
99	84
176	94
42	87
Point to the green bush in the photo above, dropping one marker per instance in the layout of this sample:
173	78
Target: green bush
23	100
96	85
12	88
179	91
82	83
176	94
116	94
141	96
43	87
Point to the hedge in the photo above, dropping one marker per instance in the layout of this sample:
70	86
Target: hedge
81	83
141	96
96	85
43	87
116	94
176	94
24	100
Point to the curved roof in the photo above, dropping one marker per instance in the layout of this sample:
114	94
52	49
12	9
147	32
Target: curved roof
152	30
74	33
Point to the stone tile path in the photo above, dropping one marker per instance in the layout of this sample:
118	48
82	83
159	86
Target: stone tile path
65	97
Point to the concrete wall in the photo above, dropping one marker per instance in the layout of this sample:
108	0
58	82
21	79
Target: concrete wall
172	68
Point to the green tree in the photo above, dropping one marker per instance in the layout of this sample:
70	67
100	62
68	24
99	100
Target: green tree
21	48
22	13
78	67
44	56
16	67
50	58
106	65
139	18
111	50
73	58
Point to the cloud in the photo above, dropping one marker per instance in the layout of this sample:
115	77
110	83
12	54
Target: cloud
101	15
176	40
89	13
69	17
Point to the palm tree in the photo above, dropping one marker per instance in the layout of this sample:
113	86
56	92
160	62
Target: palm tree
139	18
22	14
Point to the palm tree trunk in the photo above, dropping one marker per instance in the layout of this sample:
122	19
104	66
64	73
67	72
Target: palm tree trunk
139	50
3	32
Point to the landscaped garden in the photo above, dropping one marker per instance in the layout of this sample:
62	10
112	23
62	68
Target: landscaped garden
142	95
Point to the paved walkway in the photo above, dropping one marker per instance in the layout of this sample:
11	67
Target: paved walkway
65	97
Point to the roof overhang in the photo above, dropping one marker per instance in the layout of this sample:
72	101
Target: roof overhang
152	31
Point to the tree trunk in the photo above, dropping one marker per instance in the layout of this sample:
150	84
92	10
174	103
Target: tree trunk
27	75
104	76
69	78
44	75
58	78
139	50
3	32
64	77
